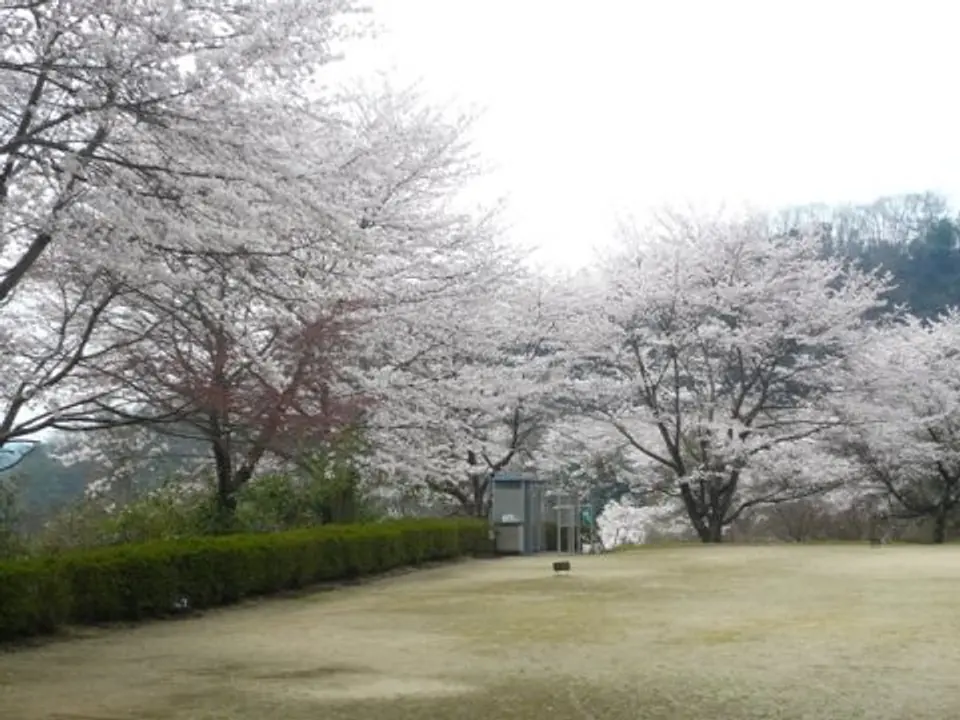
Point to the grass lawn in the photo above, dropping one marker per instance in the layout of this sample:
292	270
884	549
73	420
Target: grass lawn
680	633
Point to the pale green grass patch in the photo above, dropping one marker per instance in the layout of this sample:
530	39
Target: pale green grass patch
734	633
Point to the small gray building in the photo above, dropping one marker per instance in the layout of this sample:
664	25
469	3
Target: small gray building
516	513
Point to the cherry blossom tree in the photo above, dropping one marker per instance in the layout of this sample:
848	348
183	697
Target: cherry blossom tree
710	347
127	112
246	385
60	325
133	137
264	354
131	461
225	365
586	458
903	417
480	400
625	523
173	145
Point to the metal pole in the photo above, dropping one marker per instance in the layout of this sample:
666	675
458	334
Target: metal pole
593	522
559	535
577	529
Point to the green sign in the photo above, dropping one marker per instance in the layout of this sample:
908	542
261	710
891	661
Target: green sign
586	516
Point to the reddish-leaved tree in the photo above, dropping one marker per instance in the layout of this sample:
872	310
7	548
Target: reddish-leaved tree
229	371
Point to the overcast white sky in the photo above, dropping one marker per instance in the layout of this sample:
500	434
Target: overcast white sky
607	107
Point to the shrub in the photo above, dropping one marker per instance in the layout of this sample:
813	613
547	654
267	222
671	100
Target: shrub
11	516
170	512
83	524
136	581
319	492
33	598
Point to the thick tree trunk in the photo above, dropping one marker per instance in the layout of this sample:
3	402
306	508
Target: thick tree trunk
940	525
477	508
706	520
226	511
715	530
224	469
694	512
225	521
479	505
709	533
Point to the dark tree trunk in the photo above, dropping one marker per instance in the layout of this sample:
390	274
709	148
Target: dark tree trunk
940	525
705	516
710	533
715	530
224	467
695	512
226	509
709	530
225	521
479	505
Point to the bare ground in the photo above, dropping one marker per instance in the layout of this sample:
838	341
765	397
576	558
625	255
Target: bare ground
728	633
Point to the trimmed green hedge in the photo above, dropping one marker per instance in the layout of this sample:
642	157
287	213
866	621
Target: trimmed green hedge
132	582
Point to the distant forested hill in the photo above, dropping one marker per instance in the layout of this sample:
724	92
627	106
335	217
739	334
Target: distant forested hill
45	483
914	237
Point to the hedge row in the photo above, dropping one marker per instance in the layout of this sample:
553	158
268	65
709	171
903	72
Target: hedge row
132	582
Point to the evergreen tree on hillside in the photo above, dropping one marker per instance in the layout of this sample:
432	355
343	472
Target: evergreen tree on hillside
930	276
913	237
